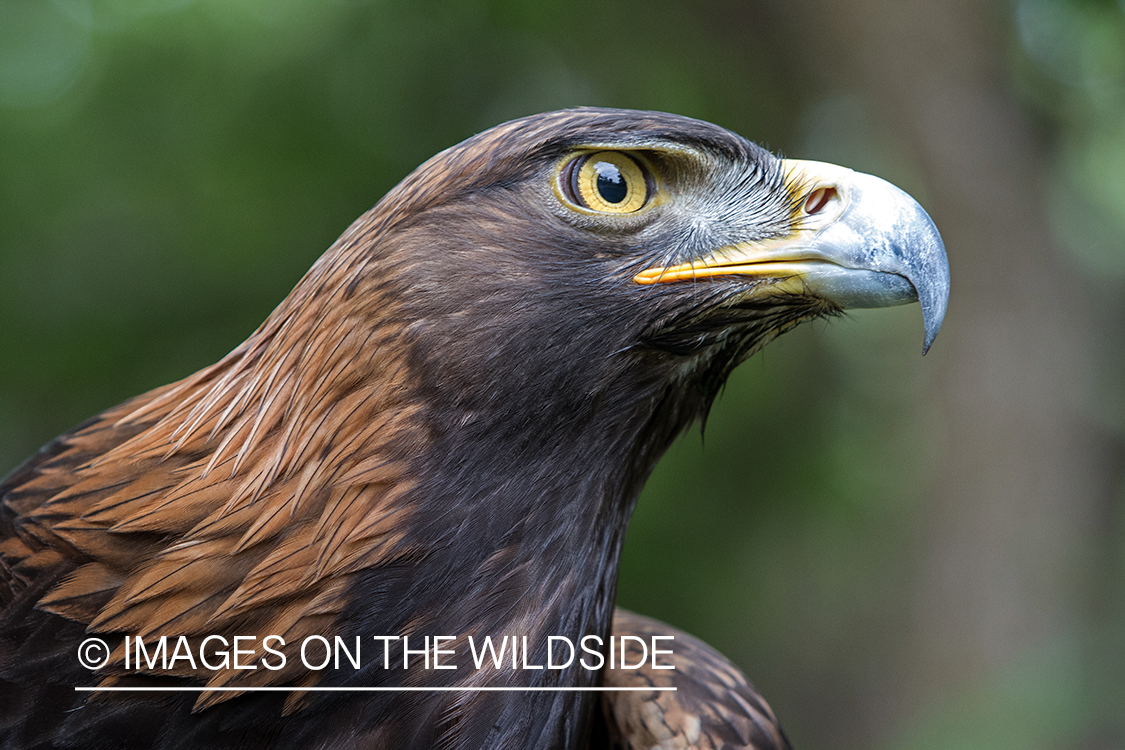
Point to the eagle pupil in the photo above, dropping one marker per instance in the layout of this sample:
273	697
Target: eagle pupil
611	185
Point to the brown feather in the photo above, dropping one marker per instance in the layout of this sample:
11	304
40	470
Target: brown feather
263	475
713	706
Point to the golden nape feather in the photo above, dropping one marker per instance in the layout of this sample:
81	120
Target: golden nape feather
236	502
436	440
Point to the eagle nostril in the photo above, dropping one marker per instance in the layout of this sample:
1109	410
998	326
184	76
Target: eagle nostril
819	199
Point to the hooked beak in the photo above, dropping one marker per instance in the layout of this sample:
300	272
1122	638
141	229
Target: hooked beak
858	241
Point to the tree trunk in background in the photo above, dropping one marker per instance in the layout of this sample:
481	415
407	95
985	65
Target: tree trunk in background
1020	476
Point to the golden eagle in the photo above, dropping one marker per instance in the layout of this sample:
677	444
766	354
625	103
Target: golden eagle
434	442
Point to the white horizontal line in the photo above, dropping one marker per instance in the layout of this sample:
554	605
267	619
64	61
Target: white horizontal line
446	689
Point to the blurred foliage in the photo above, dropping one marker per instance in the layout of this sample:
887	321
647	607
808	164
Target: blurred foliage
1069	67
169	169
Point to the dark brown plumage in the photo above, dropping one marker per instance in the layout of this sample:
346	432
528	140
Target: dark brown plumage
440	432
713	707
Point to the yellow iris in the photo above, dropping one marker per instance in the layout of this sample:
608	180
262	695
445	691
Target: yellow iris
607	181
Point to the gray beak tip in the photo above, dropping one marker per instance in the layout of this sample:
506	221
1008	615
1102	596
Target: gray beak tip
930	277
901	238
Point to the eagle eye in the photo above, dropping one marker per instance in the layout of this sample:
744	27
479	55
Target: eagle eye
606	181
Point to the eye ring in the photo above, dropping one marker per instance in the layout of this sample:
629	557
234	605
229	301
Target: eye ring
606	181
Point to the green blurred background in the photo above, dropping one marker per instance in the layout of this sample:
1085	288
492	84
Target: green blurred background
900	552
